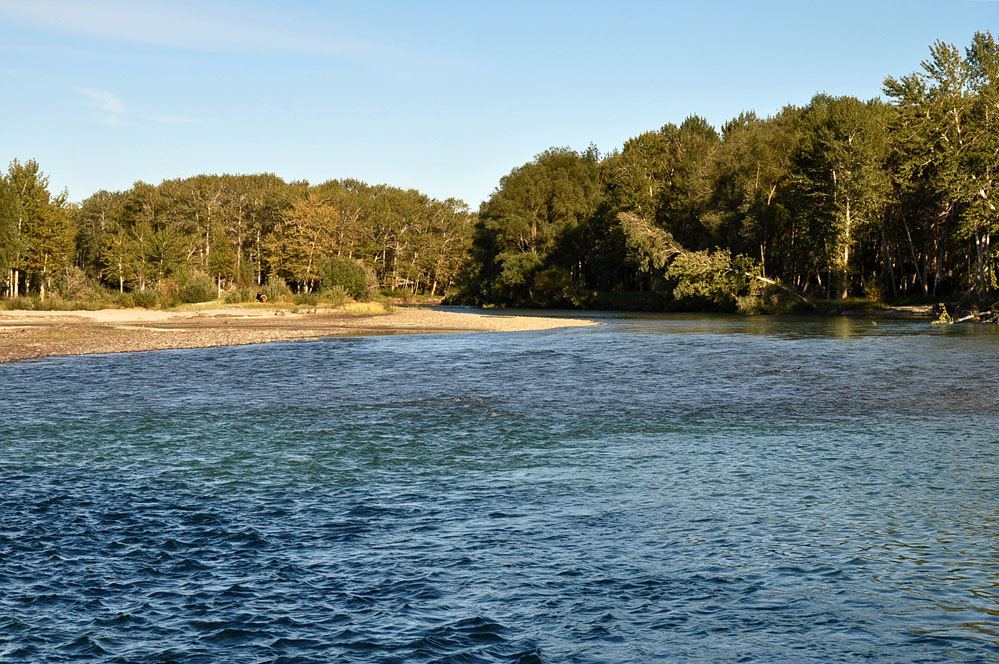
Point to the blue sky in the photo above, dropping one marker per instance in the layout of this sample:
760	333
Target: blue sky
445	97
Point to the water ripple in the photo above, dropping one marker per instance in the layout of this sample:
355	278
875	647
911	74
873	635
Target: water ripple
660	489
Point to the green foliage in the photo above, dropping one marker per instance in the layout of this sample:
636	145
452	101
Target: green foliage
513	284
944	318
146	299
337	272
555	287
841	197
37	232
649	247
762	298
311	299
336	296
199	288
537	217
276	290
240	296
709	278
9	240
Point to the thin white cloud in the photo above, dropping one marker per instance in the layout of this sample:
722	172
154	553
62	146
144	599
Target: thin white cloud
224	28
169	119
108	109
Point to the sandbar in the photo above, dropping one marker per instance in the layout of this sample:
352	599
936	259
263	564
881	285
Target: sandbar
26	335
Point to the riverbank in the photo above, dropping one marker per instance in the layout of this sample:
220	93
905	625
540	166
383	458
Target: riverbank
32	334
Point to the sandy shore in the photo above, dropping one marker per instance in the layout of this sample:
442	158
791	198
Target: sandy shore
31	334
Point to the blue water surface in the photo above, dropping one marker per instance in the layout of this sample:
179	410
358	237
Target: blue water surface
685	488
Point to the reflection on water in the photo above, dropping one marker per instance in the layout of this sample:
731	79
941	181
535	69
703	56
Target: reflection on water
660	488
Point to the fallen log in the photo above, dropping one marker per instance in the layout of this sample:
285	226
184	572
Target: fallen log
971	316
782	287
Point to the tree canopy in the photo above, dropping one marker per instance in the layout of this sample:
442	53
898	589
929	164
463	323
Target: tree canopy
838	198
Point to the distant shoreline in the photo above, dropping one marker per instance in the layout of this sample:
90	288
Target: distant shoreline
26	335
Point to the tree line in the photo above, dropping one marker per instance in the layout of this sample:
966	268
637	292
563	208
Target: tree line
840	198
238	230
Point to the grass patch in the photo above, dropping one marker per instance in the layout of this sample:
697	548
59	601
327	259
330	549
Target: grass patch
365	308
60	335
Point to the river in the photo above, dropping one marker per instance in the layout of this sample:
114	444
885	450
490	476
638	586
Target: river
658	488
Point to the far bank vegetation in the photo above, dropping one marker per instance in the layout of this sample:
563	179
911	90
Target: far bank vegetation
886	200
236	237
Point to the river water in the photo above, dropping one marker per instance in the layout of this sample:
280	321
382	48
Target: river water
702	489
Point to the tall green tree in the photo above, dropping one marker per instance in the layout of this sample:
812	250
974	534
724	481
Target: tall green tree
933	140
8	229
841	182
50	238
532	220
42	229
981	219
301	240
752	177
95	218
28	190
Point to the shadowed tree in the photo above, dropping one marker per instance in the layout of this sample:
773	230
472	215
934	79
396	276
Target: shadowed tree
840	181
96	216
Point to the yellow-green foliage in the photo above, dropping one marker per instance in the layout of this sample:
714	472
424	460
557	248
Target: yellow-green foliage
337	272
240	296
276	290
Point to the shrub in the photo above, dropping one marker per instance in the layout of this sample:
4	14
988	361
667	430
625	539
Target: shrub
336	296
72	283
311	299
276	290
201	288
350	275
240	295
874	289
146	299
169	288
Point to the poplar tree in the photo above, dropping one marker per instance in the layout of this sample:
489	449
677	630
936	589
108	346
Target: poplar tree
42	229
841	181
51	240
8	231
981	220
532	218
301	240
95	218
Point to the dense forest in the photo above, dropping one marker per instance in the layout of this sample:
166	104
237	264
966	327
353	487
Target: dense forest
840	198
239	232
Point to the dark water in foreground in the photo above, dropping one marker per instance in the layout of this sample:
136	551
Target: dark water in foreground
684	489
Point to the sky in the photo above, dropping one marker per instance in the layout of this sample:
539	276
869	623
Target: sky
444	97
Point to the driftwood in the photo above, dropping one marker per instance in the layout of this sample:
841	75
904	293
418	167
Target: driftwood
782	287
974	315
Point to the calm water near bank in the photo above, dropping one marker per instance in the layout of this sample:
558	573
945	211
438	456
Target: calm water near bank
654	489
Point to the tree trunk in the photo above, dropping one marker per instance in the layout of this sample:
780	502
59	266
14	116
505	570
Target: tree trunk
915	261
889	267
980	256
845	275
